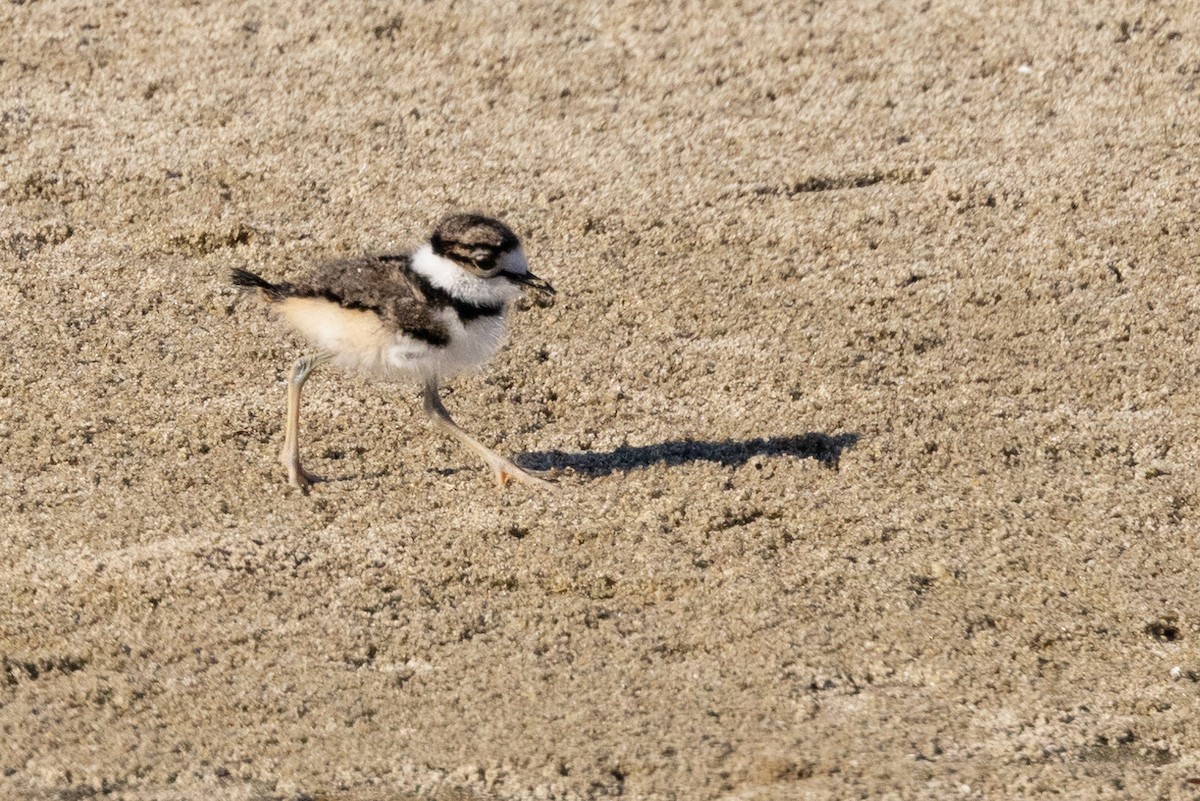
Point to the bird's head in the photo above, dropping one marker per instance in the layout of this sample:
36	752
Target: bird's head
485	248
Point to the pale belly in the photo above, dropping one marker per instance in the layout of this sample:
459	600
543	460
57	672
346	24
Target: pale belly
359	341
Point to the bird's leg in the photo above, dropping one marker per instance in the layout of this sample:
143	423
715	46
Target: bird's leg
290	455
502	468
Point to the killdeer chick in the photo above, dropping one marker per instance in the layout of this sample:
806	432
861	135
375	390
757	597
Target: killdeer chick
425	316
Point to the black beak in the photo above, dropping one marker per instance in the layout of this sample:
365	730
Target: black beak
532	281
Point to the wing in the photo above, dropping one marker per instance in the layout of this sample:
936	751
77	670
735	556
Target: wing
381	284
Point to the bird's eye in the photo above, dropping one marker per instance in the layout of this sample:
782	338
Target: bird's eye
485	261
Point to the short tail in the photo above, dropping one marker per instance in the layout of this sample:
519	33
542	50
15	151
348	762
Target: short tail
247	279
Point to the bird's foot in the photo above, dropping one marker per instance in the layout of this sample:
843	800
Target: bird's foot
505	471
299	477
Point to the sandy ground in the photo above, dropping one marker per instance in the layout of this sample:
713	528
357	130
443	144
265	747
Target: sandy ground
871	383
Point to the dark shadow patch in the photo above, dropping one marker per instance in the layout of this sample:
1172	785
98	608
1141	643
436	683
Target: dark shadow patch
852	180
825	448
13	671
23	245
391	29
202	243
374	475
1165	629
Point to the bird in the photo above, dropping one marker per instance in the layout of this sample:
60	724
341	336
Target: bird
420	316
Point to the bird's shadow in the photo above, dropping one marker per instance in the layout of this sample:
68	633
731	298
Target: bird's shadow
825	448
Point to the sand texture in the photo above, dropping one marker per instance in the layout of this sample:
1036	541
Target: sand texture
871	384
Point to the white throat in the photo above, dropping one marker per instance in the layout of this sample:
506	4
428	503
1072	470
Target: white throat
460	284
